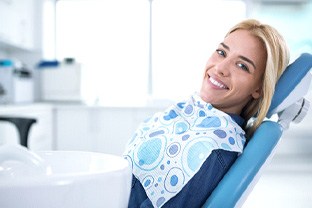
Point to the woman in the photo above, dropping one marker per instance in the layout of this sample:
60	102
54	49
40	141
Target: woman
180	155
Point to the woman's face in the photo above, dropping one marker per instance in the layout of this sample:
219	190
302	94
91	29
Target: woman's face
234	72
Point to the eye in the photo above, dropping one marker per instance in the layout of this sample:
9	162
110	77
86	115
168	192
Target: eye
221	52
243	67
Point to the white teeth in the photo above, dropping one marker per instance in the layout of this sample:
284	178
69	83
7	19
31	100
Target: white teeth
216	83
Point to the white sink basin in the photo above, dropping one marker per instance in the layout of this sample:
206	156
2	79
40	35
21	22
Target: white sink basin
62	179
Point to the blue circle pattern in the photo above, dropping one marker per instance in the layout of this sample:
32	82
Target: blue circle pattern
148	181
173	180
151	149
170	147
148	155
197	153
181	127
173	149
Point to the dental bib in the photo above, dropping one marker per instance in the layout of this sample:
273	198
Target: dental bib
167	150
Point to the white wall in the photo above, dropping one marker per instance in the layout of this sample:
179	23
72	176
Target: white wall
292	20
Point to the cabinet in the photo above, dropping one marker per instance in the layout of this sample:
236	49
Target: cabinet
76	127
99	129
17	23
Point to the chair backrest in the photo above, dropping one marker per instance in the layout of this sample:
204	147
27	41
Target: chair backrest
236	185
293	84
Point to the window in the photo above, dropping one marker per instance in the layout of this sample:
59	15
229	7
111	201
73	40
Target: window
112	40
185	33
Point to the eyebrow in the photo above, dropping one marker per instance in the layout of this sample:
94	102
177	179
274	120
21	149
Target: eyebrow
241	57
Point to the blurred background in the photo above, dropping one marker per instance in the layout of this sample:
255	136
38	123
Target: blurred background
89	71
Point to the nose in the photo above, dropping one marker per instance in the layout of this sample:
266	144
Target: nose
223	67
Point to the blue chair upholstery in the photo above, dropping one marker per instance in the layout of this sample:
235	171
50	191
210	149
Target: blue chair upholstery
234	188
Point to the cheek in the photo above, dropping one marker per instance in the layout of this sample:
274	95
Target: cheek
246	83
254	85
258	80
211	60
209	65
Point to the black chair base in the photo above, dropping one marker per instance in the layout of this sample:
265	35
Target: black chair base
23	126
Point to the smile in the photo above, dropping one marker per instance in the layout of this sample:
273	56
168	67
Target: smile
217	84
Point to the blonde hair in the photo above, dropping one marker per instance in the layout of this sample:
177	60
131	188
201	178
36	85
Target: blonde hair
276	61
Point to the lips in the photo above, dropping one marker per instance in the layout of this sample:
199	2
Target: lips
217	83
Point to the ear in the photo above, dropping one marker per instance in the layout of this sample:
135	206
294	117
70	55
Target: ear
257	93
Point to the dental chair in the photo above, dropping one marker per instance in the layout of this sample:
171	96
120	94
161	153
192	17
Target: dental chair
290	106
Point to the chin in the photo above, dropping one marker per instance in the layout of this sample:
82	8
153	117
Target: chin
204	97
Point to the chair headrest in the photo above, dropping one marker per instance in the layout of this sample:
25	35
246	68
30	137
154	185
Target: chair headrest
293	84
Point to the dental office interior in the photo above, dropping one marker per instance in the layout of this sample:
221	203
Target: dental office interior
89	71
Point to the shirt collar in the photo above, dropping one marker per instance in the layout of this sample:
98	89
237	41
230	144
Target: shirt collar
237	118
